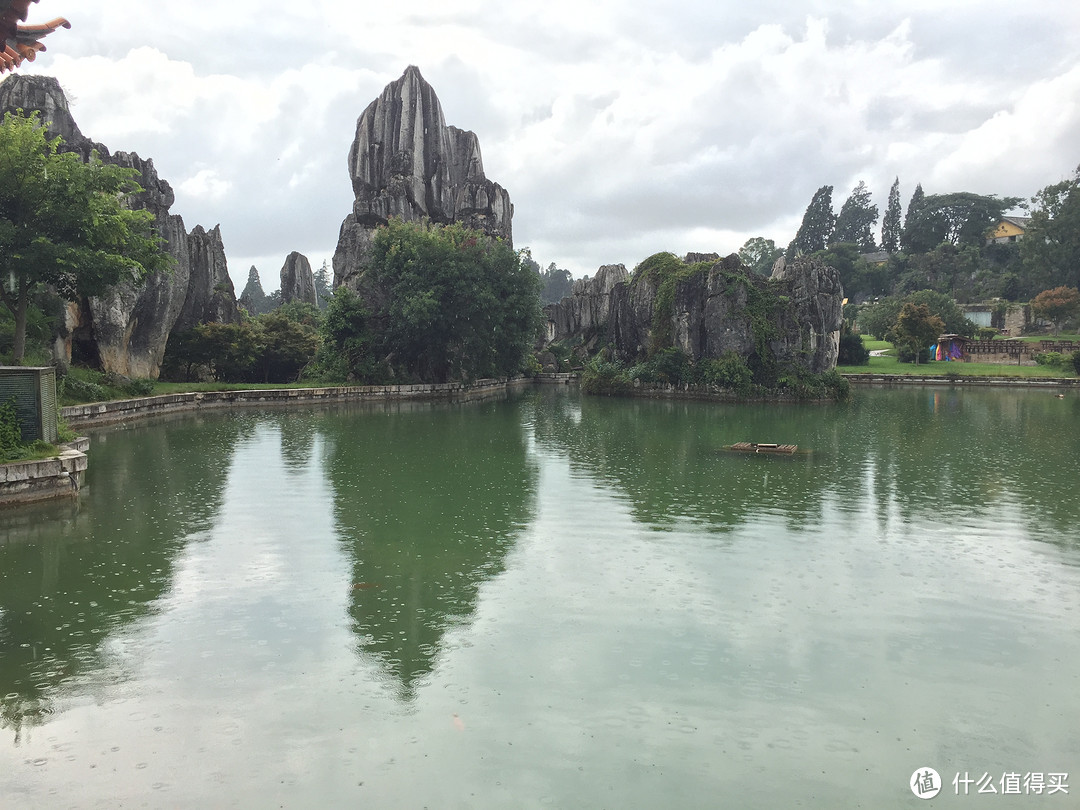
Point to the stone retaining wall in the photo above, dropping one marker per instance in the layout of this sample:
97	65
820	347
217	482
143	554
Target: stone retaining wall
965	379
29	481
107	413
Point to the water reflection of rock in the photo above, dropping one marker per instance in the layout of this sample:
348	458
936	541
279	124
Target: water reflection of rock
428	501
668	457
86	569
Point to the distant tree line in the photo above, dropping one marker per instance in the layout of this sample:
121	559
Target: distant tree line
939	242
556	283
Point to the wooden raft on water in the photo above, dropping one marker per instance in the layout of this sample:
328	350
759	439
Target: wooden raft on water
763	447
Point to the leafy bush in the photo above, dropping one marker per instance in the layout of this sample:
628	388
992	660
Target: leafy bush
140	388
604	377
64	433
1051	359
73	389
852	351
1075	357
728	371
11	443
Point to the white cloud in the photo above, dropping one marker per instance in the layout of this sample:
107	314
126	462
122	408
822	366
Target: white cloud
205	183
618	132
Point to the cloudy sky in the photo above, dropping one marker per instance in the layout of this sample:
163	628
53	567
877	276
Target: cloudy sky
619	129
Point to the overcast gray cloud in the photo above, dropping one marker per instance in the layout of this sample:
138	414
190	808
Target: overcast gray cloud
618	130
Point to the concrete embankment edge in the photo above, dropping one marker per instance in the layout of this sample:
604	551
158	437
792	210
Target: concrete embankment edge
24	482
107	413
966	380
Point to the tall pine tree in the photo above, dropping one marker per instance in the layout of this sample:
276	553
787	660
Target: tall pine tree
817	226
856	221
911	239
253	298
890	224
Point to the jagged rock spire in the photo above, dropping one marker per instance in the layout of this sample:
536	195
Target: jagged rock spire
406	162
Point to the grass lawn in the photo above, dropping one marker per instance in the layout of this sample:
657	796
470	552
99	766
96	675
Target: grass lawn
876	345
888	364
1038	338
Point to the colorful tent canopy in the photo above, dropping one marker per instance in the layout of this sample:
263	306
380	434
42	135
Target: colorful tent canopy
948	347
22	42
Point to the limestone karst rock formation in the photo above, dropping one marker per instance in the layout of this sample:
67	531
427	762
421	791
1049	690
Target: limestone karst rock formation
297	280
406	162
711	312
126	330
588	307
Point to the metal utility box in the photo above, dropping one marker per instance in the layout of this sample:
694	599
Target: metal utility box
34	393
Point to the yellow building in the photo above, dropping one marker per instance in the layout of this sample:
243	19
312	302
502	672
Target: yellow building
1009	229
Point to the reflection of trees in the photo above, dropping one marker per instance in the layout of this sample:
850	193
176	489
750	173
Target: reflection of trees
946	454
668	457
90	567
428	500
934	453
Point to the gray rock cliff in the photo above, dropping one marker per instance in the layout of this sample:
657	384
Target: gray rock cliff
406	162
587	309
297	280
713	312
126	330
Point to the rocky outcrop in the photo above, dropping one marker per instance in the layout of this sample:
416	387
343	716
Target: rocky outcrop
406	162
587	309
125	331
816	311
211	297
795	316
297	280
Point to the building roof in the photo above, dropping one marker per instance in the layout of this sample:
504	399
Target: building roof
1020	222
22	42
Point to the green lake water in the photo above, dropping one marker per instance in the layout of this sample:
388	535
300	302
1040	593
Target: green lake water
552	601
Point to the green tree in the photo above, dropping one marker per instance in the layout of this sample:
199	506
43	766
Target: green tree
253	298
557	282
283	346
65	223
323	286
1050	249
227	352
915	329
301	312
959	218
890	223
852	352
759	255
346	353
450	303
856	220
844	257
1058	305
878	318
945	268
816	230
944	307
914	236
